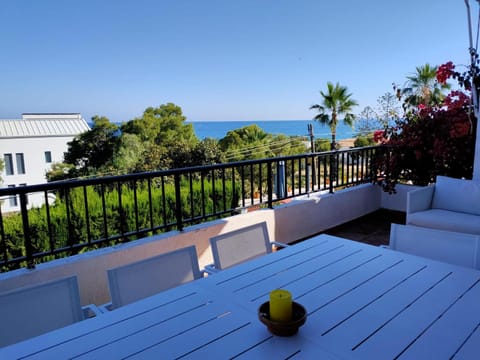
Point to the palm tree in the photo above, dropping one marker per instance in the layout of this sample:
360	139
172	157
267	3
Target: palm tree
335	102
423	88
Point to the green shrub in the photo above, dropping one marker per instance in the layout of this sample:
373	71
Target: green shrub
120	209
362	141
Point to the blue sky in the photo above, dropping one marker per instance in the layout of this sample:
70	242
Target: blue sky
217	59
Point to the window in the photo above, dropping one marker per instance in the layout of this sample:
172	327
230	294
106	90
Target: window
13	198
20	163
8	163
48	157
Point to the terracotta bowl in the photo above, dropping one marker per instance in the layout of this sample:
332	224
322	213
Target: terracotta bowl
299	316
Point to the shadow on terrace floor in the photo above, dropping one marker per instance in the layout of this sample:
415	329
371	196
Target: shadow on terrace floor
373	229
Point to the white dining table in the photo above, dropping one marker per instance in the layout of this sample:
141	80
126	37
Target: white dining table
363	302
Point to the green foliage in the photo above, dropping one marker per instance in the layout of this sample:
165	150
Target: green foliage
163	140
322	145
362	141
163	126
207	152
423	88
159	139
94	149
60	171
130	152
282	145
249	142
84	206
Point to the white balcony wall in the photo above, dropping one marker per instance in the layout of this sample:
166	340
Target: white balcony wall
301	218
397	201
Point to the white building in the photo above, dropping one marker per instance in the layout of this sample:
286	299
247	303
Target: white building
30	145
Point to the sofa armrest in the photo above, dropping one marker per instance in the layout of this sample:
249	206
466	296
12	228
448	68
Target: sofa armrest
420	199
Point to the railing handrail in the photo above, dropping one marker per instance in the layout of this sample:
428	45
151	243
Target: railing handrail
109	179
303	173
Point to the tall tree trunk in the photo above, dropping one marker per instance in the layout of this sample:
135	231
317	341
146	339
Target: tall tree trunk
333	129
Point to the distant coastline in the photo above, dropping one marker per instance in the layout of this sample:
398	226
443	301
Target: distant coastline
218	129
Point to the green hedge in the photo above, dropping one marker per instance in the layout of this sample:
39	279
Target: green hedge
119	221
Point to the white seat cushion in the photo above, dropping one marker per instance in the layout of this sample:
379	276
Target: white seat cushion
446	220
457	195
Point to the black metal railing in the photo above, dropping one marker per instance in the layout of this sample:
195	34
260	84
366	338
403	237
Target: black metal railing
64	218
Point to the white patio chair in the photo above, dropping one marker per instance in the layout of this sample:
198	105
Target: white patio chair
447	246
138	280
240	245
30	311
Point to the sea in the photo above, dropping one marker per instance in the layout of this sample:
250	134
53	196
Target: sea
219	129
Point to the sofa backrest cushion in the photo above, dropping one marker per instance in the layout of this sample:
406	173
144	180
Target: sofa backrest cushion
457	195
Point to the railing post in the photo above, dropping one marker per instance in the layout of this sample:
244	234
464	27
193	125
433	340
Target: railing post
314	173
269	185
26	231
331	176
280	180
178	202
307	178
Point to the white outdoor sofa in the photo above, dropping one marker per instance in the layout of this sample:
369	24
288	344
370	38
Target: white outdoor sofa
452	247
449	204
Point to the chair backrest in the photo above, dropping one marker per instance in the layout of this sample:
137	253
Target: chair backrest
451	247
240	245
30	311
147	277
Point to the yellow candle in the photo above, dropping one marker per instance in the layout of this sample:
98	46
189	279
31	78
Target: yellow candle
280	305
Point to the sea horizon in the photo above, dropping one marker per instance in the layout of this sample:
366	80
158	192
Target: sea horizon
218	129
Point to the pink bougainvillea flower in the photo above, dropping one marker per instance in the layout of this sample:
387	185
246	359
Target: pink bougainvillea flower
444	72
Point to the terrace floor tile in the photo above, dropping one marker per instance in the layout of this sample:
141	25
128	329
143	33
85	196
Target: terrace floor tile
373	229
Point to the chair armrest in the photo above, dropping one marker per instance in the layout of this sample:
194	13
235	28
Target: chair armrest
420	199
91	310
210	269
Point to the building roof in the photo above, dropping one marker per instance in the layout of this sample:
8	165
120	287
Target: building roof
43	125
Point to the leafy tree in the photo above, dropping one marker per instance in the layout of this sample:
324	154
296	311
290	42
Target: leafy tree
163	125
335	102
207	152
423	88
322	145
163	140
154	157
249	142
180	154
130	152
93	149
283	145
60	171
362	141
